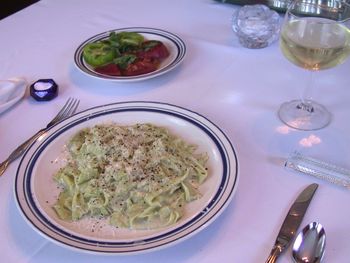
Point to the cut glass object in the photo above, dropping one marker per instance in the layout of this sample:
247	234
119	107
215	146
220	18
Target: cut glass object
256	26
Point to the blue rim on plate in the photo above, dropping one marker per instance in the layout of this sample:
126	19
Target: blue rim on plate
175	45
25	192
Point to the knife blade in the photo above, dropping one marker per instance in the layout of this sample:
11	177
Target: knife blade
292	222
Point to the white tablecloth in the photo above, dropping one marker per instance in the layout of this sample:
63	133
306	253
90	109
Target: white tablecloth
237	88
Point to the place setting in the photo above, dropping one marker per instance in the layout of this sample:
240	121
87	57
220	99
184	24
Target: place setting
95	234
136	175
315	37
122	55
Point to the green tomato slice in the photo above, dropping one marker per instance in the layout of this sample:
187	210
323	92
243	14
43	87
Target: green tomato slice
125	41
98	54
125	60
130	38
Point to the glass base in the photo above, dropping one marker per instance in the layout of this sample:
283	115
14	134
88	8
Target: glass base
304	115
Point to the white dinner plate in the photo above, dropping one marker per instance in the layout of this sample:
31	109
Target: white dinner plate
36	192
175	45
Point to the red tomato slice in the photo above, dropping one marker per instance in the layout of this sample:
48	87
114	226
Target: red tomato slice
158	51
140	67
109	69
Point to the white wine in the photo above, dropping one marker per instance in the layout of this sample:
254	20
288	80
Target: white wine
315	43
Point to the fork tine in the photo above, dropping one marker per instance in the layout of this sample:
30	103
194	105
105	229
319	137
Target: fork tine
71	108
65	113
67	110
74	108
62	111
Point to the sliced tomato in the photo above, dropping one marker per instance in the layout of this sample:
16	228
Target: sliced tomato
153	49
140	67
109	69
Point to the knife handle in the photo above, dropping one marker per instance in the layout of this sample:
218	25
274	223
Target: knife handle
275	252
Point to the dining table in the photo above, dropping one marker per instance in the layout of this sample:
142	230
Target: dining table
237	89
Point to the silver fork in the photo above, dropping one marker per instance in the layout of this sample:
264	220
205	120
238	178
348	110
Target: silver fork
67	110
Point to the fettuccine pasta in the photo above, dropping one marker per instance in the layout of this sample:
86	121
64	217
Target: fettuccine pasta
138	176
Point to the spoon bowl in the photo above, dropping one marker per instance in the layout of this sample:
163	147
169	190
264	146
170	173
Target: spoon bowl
309	245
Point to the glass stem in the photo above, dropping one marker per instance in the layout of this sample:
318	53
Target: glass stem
305	103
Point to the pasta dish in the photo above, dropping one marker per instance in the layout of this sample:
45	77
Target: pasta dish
137	176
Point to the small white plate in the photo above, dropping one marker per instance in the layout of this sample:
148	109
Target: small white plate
175	45
36	192
11	91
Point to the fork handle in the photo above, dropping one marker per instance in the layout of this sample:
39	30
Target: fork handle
19	151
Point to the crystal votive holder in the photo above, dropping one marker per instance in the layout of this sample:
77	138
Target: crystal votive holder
256	26
319	169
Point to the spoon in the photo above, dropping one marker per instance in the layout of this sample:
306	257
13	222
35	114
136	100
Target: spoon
310	244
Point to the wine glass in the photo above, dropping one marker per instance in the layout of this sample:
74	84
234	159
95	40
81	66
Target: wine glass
315	35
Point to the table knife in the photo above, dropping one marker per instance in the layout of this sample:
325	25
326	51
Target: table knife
292	222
